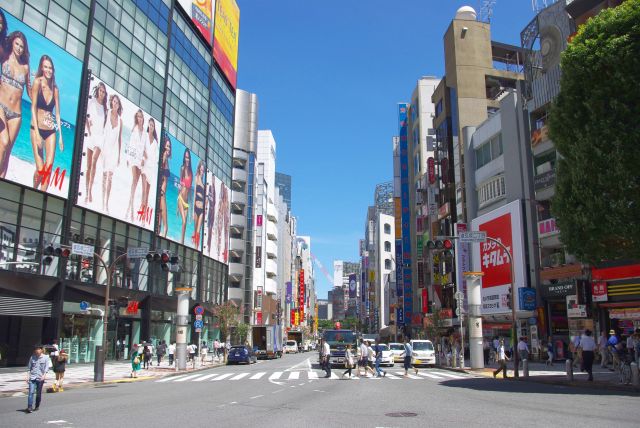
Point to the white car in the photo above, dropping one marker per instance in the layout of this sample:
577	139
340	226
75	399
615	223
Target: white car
397	349
291	347
387	355
423	353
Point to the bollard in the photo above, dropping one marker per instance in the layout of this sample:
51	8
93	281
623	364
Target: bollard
635	376
569	367
98	365
525	368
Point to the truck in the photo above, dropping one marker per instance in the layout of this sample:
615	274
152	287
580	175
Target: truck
338	341
267	341
297	336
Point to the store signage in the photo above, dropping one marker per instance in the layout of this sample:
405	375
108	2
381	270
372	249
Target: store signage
625	313
575	310
431	170
137	252
198	324
289	292
527	299
544	180
259	220
425	301
560	289
259	318
443	211
133	306
473	237
258	257
301	293
599	291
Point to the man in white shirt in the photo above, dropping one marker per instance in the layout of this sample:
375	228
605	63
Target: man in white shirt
502	361
362	361
326	358
588	346
523	349
171	350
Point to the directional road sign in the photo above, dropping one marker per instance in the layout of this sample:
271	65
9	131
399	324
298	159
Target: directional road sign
198	323
137	252
82	249
474	236
84	305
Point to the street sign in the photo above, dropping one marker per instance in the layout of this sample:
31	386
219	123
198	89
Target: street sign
84	305
198	324
473	236
459	295
82	249
198	317
198	330
198	310
137	252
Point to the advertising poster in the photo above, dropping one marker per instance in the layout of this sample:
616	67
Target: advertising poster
225	38
406	212
40	87
505	225
217	216
182	193
201	13
353	286
120	152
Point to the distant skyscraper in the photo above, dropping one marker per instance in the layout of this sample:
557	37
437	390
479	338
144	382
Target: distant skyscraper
283	182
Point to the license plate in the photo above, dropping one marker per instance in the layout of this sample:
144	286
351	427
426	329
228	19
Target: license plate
418	362
237	355
340	360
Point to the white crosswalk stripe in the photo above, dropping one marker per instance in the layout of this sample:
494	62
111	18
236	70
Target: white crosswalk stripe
311	375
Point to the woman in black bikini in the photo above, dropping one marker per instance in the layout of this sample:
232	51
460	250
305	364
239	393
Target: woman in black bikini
14	77
211	212
164	176
43	127
198	204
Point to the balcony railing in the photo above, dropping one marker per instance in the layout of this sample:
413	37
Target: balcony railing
547	228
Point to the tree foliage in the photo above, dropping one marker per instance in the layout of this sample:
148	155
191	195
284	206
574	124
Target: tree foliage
227	314
596	128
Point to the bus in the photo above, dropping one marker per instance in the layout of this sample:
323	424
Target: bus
338	341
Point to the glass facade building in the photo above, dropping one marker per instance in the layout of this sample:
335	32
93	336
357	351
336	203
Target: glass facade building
155	67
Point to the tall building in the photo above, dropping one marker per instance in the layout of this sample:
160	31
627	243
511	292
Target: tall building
242	196
147	118
283	183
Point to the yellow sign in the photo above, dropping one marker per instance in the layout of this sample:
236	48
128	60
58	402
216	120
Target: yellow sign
225	38
372	275
297	319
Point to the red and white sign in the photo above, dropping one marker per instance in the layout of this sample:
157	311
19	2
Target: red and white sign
259	318
599	291
431	170
505	225
425	301
301	293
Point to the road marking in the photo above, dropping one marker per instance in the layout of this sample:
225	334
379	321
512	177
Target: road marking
410	376
294	375
188	378
257	396
312	375
240	376
221	377
234	402
292	386
390	376
450	375
275	375
301	384
306	364
205	377
317	390
430	375
276	391
258	375
334	376
170	378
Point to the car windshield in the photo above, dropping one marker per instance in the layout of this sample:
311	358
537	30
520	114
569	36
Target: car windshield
291	343
335	337
383	347
422	346
396	347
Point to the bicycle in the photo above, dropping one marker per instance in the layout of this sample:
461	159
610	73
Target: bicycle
624	371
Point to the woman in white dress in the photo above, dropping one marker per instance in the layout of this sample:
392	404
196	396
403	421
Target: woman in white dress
149	162
94	131
111	148
135	150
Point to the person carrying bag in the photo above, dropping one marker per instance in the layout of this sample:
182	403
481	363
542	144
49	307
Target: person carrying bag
349	362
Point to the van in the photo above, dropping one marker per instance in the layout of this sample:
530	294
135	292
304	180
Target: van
423	353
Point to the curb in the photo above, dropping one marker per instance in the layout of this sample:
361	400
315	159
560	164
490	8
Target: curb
21	393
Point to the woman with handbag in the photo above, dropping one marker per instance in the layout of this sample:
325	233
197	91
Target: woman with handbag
59	367
349	362
135	362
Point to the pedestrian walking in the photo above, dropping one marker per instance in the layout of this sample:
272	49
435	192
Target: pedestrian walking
59	367
523	350
204	350
192	352
146	356
39	365
378	355
326	359
161	351
636	347
135	361
575	349
171	350
604	352
612	348
550	352
502	361
216	348
363	358
486	351
349	362
588	347
408	354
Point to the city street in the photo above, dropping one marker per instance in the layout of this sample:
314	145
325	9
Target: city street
290	392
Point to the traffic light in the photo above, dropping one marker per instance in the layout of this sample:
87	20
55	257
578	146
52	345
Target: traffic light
52	251
168	263
440	244
509	298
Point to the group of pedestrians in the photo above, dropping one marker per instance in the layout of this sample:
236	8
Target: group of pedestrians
619	349
38	367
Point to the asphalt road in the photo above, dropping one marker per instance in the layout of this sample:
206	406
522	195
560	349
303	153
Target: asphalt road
285	393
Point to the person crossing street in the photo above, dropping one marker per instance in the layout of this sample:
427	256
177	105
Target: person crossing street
326	359
39	365
502	361
378	355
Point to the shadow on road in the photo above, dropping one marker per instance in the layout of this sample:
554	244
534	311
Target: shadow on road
527	387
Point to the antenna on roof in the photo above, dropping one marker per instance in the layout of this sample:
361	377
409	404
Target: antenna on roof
486	10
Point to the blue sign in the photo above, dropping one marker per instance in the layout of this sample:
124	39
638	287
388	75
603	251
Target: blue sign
84	305
198	324
406	212
289	292
527	298
533	321
199	310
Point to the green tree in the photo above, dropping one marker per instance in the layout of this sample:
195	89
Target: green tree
227	315
241	330
596	128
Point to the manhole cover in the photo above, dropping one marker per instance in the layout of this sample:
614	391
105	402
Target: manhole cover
401	415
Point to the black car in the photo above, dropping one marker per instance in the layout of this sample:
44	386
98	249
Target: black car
241	354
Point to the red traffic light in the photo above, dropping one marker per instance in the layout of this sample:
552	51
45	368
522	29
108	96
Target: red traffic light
447	244
164	258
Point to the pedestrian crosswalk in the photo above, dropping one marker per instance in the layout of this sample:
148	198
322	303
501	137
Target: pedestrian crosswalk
311	375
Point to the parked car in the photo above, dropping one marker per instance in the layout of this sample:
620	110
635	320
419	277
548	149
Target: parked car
387	355
241	354
290	347
423	353
397	349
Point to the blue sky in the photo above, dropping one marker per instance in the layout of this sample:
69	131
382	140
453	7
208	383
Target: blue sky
328	75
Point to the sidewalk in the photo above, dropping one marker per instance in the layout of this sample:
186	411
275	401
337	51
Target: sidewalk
13	379
556	375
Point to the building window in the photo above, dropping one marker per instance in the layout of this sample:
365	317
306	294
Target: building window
387	228
491	190
387	264
488	151
387	246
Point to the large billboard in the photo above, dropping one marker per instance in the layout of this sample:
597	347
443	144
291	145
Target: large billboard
225	38
120	152
39	97
201	13
182	193
406	212
505	225
216	219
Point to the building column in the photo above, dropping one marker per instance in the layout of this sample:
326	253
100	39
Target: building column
474	298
